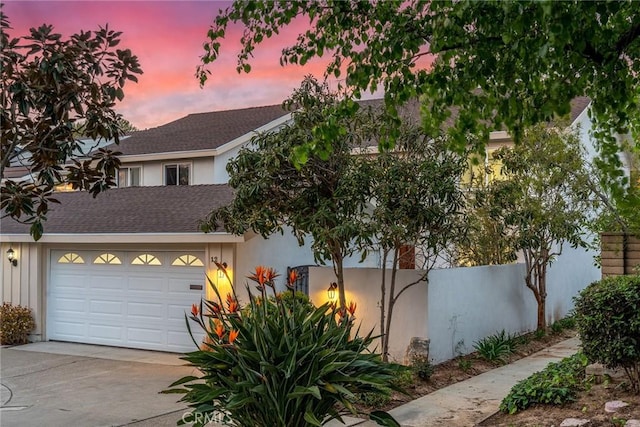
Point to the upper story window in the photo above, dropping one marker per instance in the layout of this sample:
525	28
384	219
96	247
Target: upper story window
177	174
129	177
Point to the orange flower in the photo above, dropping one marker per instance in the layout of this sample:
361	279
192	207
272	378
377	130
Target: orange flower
232	303
215	308
194	309
293	276
269	275
233	334
259	275
219	330
352	308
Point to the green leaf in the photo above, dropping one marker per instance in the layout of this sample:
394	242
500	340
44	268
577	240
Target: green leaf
384	419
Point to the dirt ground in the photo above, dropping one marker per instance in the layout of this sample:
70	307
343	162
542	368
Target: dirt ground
465	367
589	404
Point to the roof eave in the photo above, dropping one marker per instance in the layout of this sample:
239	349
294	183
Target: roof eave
125	238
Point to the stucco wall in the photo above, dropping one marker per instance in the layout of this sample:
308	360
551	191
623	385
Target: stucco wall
362	286
462	305
282	251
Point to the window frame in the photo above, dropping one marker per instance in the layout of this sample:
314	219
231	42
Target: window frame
177	165
129	169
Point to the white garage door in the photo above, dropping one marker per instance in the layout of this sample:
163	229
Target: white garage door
127	299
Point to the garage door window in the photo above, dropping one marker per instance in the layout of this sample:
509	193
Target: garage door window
146	259
107	258
188	261
70	258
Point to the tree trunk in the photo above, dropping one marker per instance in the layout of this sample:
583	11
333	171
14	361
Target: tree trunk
339	269
383	305
392	301
541	279
542	322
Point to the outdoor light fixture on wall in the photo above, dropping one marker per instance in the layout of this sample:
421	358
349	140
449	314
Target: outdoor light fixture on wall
11	256
222	267
331	292
221	270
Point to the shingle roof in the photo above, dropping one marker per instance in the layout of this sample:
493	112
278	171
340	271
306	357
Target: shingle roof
578	105
411	110
199	131
165	209
203	131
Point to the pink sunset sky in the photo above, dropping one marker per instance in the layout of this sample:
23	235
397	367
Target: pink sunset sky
167	37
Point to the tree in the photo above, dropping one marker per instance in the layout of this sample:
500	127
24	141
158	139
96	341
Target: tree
48	85
324	199
418	202
484	242
541	206
125	127
511	63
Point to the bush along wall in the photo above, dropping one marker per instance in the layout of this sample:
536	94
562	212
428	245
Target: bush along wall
16	323
608	320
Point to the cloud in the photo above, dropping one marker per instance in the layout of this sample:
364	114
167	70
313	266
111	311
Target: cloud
167	37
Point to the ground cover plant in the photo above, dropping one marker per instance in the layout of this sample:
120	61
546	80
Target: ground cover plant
281	361
496	347
556	384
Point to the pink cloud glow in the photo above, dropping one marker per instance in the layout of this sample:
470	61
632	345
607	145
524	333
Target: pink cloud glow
167	37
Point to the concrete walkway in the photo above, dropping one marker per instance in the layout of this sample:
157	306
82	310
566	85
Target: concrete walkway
469	402
464	404
102	386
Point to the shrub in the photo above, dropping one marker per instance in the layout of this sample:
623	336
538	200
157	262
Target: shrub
464	364
495	348
568	322
16	323
280	364
556	384
421	367
608	320
375	399
382	397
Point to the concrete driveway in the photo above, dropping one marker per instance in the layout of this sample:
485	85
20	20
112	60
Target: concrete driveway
62	384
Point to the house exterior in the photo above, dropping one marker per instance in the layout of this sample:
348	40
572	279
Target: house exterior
122	269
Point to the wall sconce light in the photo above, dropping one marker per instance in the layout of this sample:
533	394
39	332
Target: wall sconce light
11	256
222	270
331	291
222	267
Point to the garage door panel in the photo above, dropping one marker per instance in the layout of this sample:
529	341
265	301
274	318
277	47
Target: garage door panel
71	281
177	311
153	311
180	340
101	306
146	284
73	306
146	336
109	283
69	329
106	332
121	304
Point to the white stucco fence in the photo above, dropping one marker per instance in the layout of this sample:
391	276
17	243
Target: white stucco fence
461	305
